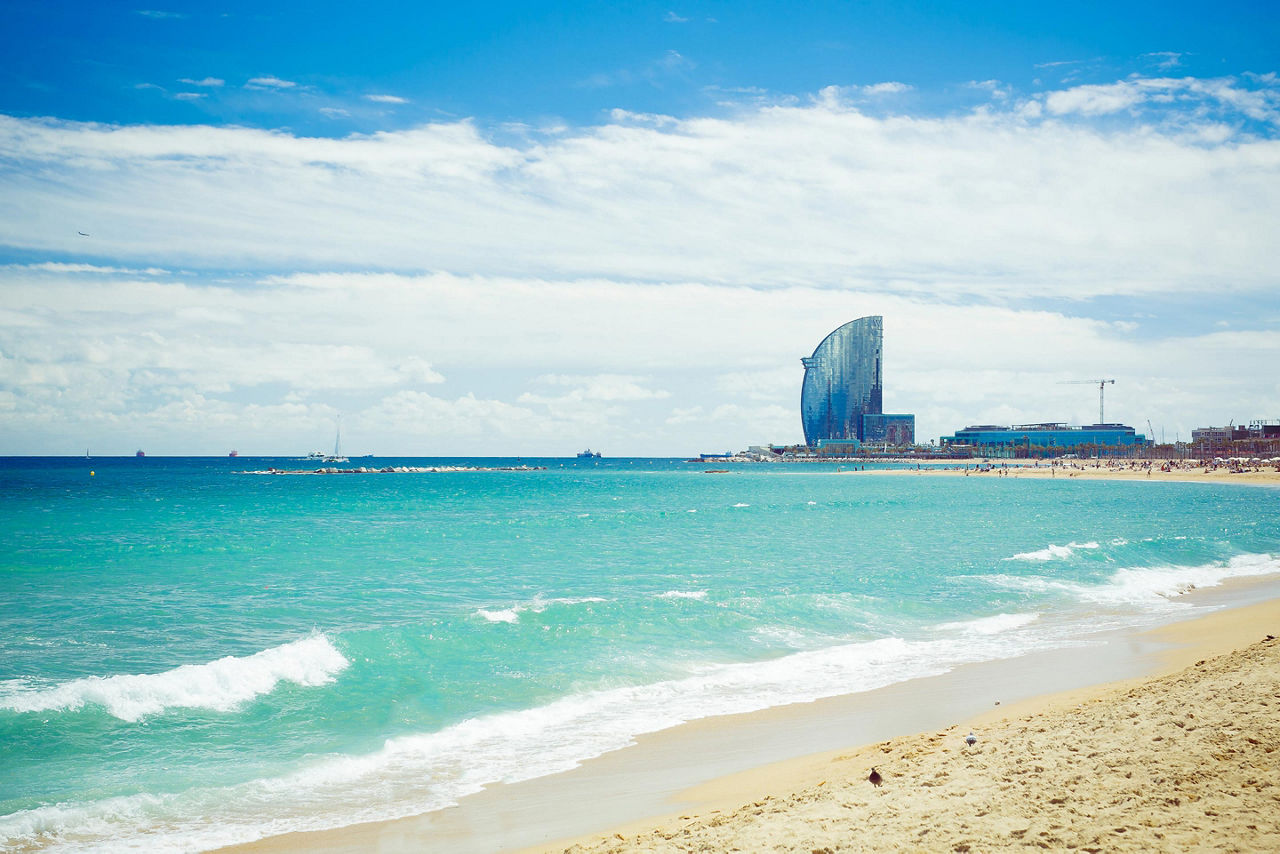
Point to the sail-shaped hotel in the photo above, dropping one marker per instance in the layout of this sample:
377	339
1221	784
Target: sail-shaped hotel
842	399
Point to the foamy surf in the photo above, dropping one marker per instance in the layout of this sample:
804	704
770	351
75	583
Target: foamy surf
535	606
1143	587
220	685
1053	552
432	771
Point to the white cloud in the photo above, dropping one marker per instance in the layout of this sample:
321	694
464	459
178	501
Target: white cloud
611	387
270	83
998	203
334	112
1164	59
648	284
889	87
386	99
688	368
212	82
190	96
1095	100
673	18
157	15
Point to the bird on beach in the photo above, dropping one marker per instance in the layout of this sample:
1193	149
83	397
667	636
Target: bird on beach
875	777
971	739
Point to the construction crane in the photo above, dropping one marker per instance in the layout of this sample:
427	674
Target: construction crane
1102	385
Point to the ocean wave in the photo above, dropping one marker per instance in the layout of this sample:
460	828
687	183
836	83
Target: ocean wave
1149	587
536	606
219	685
683	594
991	625
432	771
1054	552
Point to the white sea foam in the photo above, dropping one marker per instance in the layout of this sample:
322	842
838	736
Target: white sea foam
1054	552
991	625
683	594
536	605
431	771
740	504
219	685
1144	587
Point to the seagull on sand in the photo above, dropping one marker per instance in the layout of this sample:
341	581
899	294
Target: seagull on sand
875	777
971	739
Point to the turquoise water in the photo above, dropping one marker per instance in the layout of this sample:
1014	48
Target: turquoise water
192	655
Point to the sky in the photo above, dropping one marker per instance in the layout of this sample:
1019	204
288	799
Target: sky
528	229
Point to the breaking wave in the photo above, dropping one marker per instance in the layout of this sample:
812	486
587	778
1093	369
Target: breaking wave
219	685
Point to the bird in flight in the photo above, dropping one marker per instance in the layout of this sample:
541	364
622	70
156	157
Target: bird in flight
82	234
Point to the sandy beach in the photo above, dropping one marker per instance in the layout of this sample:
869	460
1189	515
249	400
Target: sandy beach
1177	762
1166	471
1179	759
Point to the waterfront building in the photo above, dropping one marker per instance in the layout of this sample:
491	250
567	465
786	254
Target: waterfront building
1048	435
842	396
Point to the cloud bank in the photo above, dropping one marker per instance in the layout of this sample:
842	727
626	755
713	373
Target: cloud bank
646	284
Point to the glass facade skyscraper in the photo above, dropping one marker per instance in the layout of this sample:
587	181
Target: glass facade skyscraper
842	382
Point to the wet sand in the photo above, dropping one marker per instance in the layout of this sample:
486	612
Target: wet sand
1047	767
1183	761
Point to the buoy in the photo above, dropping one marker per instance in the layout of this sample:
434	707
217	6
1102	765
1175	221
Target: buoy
90	474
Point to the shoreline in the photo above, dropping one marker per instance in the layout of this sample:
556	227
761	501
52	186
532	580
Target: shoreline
1128	470
1179	760
710	766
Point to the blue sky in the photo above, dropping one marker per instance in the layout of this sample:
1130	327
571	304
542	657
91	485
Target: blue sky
525	228
500	62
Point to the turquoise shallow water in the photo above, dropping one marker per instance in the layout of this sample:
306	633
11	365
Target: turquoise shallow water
193	656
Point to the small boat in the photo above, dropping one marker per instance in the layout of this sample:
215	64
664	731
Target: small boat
234	454
588	454
316	455
141	453
336	456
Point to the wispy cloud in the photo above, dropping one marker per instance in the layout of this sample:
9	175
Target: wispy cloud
1073	203
673	18
157	15
207	81
190	96
334	112
269	83
886	88
1164	59
670	63
386	99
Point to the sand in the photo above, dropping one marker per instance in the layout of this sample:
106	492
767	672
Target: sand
1179	762
1177	471
1183	759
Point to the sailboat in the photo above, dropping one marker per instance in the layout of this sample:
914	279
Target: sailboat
336	456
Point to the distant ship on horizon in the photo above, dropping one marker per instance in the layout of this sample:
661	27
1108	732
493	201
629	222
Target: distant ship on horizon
141	453
588	454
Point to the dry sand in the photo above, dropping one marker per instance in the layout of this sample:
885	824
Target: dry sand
1180	762
1256	476
1183	760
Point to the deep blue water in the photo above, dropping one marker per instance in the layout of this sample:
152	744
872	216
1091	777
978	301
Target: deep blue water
191	655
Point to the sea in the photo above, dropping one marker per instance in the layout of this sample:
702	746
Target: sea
193	654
